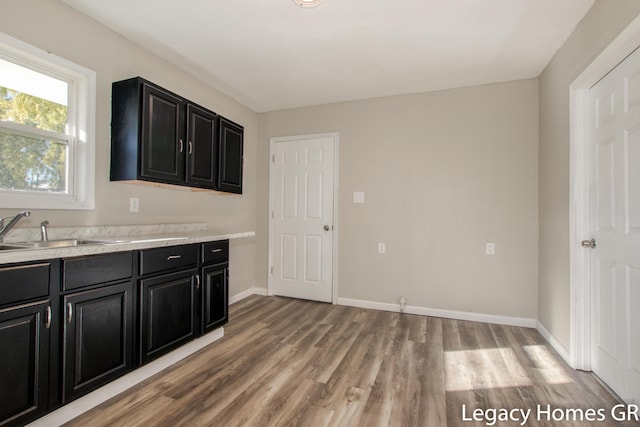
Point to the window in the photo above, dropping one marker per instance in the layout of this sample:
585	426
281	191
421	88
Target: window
46	130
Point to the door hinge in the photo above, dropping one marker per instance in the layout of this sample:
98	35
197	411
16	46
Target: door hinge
271	270
272	214
273	158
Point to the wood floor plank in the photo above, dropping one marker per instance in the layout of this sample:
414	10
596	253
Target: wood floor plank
285	362
433	404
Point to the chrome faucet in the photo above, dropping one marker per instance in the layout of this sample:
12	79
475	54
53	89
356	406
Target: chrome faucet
4	229
43	231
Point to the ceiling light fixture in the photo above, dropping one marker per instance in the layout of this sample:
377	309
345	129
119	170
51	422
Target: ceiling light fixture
307	3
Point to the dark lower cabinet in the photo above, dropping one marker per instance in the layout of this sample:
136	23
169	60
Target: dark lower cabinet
215	296
168	317
98	338
71	325
24	362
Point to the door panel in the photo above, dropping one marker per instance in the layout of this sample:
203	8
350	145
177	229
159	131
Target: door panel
202	159
24	362
215	296
615	219
168	313
633	288
230	154
98	338
161	144
606	291
632	174
605	185
302	218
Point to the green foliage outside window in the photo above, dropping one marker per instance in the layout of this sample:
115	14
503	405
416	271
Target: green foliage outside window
32	163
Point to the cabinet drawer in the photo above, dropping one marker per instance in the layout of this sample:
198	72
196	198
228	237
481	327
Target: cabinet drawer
215	252
95	269
154	260
24	282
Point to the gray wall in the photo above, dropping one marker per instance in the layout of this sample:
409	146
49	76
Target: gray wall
55	27
605	20
443	173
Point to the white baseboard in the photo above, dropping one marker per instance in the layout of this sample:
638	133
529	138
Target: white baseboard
559	348
447	314
106	392
247	293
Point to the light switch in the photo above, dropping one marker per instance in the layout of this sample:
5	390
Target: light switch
382	248
358	197
491	248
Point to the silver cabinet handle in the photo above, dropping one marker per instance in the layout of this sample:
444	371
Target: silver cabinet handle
69	312
181	144
190	147
173	257
47	322
197	281
215	251
589	243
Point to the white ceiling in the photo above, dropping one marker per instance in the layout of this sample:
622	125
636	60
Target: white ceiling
272	54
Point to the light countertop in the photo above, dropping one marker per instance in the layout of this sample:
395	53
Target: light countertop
124	238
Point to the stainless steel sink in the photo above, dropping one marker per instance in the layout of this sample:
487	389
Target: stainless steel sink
10	247
62	243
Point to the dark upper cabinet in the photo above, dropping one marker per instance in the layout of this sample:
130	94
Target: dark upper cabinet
161	137
202	156
147	133
231	143
162	147
98	338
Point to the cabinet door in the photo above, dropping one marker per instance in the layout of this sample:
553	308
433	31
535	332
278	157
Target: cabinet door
202	157
215	298
162	156
168	313
98	333
24	362
230	157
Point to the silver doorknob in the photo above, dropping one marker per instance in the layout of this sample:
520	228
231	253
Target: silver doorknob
589	243
326	228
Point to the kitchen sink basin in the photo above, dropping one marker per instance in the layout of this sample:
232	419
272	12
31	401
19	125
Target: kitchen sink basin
10	247
62	243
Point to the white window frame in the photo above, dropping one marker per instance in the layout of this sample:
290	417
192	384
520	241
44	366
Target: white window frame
81	112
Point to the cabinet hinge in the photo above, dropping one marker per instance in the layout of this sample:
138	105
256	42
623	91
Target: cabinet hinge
272	215
271	270
273	158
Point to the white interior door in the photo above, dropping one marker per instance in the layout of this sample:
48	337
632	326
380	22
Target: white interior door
615	223
302	205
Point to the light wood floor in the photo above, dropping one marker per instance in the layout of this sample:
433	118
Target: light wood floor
288	362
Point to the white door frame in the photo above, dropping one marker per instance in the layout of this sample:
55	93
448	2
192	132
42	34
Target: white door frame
579	196
336	139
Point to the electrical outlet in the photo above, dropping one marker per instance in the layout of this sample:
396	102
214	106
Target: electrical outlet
491	248
382	248
134	204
